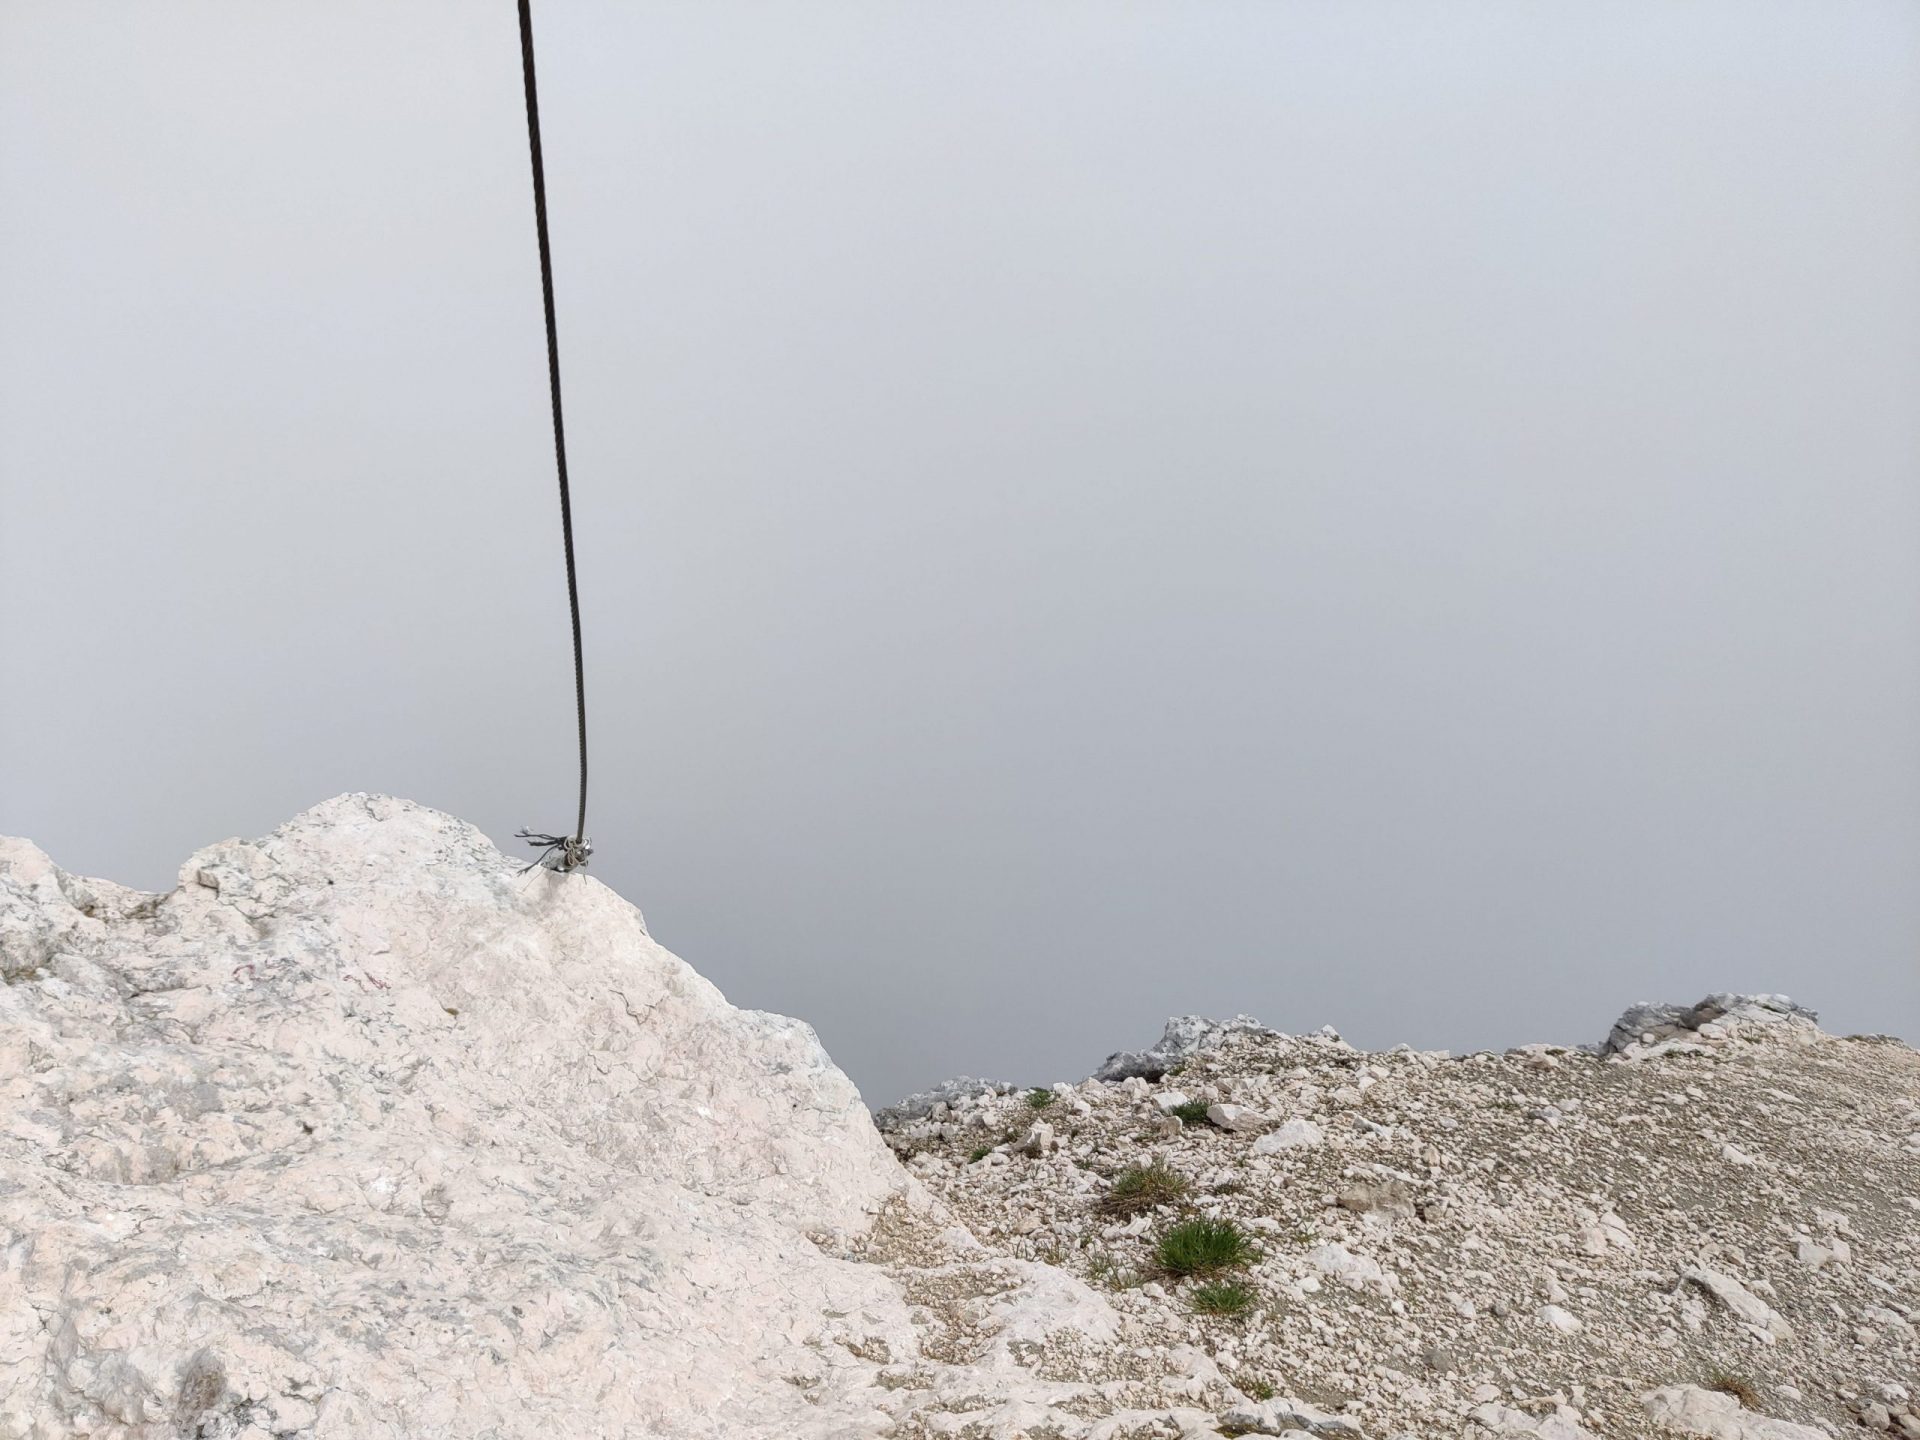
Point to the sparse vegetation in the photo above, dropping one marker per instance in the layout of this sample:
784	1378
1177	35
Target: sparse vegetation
1600	1193
1229	1297
979	1152
1103	1270
1204	1247
1040	1099
1142	1188
1737	1386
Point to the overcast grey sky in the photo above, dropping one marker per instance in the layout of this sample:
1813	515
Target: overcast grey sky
1398	514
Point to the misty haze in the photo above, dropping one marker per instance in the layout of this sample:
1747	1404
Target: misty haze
1401	517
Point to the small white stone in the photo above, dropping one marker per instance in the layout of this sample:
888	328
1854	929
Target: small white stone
1294	1135
1235	1117
1565	1321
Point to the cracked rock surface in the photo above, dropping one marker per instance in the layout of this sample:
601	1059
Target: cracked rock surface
363	1134
1708	1225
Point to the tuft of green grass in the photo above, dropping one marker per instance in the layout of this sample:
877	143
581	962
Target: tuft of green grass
1203	1247
1737	1386
1103	1270
1229	1297
1258	1389
980	1152
1194	1112
1040	1099
1142	1188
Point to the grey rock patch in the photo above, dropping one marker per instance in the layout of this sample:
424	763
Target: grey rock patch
1290	1417
1645	1025
953	1093
1184	1036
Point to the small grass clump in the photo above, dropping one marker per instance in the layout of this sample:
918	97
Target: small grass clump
1142	1188
1103	1270
980	1152
1257	1389
1040	1099
1203	1247
1737	1386
1229	1297
1194	1112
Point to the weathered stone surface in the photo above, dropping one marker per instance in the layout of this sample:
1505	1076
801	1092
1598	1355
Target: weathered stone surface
1767	1322
1643	1026
1689	1410
1235	1118
960	1091
1296	1134
363	1133
1183	1036
1389	1199
1510	1424
1434	1257
1289	1417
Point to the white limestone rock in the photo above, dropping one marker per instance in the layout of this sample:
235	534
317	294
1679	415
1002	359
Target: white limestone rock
1296	1134
1689	1410
1235	1118
1356	1272
1765	1322
363	1134
1560	1423
1560	1318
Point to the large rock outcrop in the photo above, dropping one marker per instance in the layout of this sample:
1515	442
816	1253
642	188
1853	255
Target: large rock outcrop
363	1132
1711	1229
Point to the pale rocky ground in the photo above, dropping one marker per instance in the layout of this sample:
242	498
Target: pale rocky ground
362	1132
1553	1241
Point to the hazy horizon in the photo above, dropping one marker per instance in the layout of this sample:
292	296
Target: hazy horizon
1401	517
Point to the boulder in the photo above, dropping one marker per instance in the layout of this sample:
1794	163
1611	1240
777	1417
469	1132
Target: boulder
1388	1199
1237	1118
1294	1135
1644	1025
1289	1417
1184	1036
363	1133
1766	1322
1689	1410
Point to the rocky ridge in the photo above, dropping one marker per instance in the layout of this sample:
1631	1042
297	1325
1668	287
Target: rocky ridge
1708	1224
364	1132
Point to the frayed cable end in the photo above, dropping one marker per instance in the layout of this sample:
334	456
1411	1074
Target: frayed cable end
557	852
